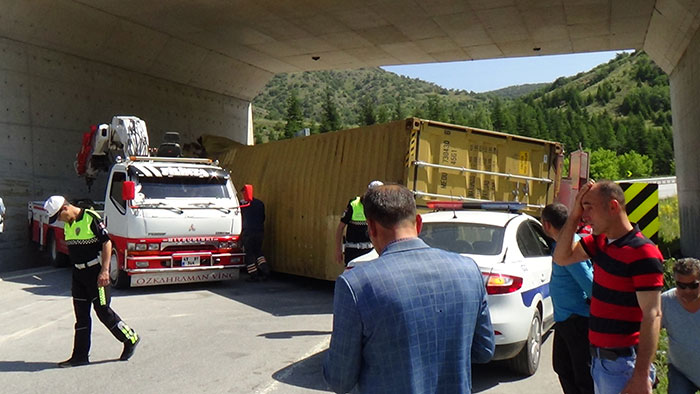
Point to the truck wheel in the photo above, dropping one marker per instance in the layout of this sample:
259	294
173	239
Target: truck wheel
56	258
117	276
527	361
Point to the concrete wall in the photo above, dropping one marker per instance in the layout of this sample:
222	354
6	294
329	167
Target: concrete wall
49	99
685	85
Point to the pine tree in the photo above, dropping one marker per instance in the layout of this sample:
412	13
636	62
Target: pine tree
366	111
294	120
398	112
330	118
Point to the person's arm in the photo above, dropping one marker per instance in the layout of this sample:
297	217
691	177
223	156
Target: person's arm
582	272
650	303
568	250
483	344
100	230
341	368
339	243
103	277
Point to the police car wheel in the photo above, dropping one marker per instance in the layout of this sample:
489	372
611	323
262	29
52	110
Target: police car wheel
117	277
527	361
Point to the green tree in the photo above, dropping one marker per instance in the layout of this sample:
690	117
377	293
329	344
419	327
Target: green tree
604	164
382	114
366	111
330	119
294	120
634	165
436	109
398	112
480	119
502	118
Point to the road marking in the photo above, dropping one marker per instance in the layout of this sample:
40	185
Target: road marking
33	273
273	386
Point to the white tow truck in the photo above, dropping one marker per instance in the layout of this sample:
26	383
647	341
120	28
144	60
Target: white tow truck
171	219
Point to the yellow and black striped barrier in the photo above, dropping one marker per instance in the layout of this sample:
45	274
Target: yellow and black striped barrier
642	200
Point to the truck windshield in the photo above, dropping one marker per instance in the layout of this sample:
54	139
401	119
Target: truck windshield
183	187
468	238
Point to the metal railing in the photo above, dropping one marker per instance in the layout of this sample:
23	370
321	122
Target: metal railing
419	163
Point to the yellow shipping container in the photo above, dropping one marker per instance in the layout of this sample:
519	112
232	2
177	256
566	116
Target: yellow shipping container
306	183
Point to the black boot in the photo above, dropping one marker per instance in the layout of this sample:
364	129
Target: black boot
129	349
74	362
252	272
263	268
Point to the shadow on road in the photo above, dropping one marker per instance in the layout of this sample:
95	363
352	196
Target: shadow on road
34	366
291	334
24	366
42	281
487	376
306	373
281	295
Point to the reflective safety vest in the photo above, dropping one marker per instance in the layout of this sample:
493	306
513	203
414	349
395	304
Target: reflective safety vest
79	232
358	211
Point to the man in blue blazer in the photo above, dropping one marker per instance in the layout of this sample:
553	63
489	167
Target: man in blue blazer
414	319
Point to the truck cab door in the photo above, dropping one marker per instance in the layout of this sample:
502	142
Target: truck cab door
115	206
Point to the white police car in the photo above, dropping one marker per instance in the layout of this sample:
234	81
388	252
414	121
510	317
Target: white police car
515	260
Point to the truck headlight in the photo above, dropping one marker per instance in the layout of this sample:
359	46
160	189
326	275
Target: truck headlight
135	246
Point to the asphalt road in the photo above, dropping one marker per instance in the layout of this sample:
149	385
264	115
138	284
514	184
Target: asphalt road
228	337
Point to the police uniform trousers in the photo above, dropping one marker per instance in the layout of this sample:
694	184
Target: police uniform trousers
86	293
352	253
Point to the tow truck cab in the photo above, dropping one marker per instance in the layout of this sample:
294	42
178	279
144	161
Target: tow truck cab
172	220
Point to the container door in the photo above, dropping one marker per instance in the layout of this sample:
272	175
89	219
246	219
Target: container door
461	163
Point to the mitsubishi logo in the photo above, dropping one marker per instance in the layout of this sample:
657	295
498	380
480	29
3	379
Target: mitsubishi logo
192	227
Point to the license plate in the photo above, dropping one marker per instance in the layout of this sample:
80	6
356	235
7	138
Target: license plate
188	261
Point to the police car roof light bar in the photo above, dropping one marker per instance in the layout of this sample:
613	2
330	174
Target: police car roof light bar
486	206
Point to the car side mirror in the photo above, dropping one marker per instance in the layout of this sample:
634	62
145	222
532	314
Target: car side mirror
128	190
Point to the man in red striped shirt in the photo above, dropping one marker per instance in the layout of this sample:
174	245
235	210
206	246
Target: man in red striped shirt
627	282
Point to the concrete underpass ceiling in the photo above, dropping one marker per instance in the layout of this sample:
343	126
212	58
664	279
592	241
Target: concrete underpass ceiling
233	47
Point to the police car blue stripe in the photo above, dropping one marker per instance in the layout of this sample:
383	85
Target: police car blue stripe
529	295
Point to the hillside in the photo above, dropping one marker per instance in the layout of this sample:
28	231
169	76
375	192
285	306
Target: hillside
617	108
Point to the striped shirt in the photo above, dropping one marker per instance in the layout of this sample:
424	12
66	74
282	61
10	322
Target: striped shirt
621	268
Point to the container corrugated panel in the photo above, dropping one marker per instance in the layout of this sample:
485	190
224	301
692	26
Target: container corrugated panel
463	163
306	183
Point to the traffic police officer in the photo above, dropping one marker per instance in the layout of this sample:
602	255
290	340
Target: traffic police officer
90	249
357	240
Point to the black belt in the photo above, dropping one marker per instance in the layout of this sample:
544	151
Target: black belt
613	353
88	264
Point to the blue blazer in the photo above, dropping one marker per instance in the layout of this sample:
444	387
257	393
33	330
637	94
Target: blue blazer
411	321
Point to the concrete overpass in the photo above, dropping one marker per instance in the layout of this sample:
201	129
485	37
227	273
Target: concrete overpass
193	66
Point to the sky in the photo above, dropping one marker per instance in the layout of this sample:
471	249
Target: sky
492	74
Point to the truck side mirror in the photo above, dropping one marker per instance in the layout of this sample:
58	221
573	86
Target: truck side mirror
247	195
128	190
